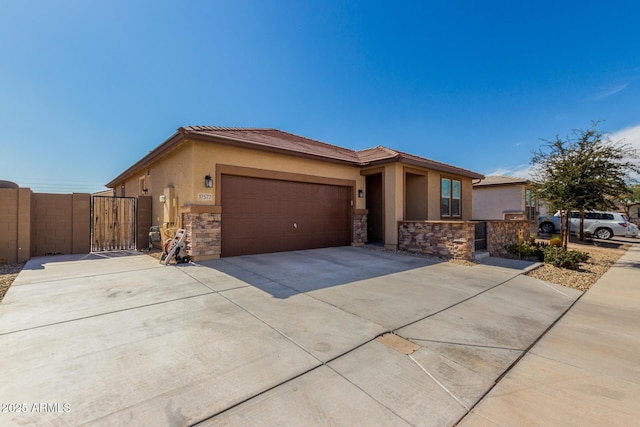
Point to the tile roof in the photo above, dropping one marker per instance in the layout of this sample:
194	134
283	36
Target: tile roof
376	154
384	154
276	140
500	180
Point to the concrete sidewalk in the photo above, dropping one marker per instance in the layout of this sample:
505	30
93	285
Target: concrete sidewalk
586	370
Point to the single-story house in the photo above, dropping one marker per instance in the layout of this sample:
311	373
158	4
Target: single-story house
244	191
503	198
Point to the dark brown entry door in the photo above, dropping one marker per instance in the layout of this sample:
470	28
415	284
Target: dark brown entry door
375	228
266	215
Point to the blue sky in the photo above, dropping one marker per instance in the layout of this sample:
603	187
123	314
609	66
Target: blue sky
89	87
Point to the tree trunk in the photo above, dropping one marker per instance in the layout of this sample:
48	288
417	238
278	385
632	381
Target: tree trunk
567	231
581	225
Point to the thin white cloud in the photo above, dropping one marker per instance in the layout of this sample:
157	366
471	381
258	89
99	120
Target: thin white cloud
631	136
517	171
605	93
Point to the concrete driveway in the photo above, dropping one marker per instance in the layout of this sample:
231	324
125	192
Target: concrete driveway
343	336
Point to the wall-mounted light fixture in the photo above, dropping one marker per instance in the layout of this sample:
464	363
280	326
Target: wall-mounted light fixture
208	181
360	193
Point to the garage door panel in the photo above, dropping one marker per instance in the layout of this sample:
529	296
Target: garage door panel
242	230
262	215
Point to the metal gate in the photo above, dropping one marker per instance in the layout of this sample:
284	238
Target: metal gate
481	235
113	223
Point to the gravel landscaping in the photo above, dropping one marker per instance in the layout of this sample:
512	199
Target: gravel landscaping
602	255
7	275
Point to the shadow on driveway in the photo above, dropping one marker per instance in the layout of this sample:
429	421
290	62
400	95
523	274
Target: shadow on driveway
312	270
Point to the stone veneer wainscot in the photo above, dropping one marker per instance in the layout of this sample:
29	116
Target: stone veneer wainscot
446	239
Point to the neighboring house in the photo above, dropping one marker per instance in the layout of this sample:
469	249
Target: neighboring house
104	193
243	191
634	213
504	197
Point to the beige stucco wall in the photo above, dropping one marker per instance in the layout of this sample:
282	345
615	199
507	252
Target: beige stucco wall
209	157
415	206
172	170
491	202
467	198
394	180
185	167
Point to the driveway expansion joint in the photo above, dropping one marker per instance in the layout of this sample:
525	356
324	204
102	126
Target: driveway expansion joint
88	276
371	397
455	304
553	288
106	313
434	379
209	287
492	347
294	290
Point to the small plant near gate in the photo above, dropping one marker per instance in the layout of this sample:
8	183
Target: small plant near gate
570	259
551	253
527	249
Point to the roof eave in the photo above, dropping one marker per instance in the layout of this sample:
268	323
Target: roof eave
239	142
183	134
442	168
496	184
154	154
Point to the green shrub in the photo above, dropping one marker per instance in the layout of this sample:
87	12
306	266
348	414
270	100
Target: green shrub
527	249
558	257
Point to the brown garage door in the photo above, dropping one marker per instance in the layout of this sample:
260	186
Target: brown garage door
265	215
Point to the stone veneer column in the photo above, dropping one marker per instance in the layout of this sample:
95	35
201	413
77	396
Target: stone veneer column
503	233
359	227
203	226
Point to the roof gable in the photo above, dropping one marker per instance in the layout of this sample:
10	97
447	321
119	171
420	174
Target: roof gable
274	139
287	143
500	180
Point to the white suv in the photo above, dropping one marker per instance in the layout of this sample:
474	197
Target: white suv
602	225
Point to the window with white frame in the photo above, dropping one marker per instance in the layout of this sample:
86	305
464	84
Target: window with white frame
450	198
530	204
